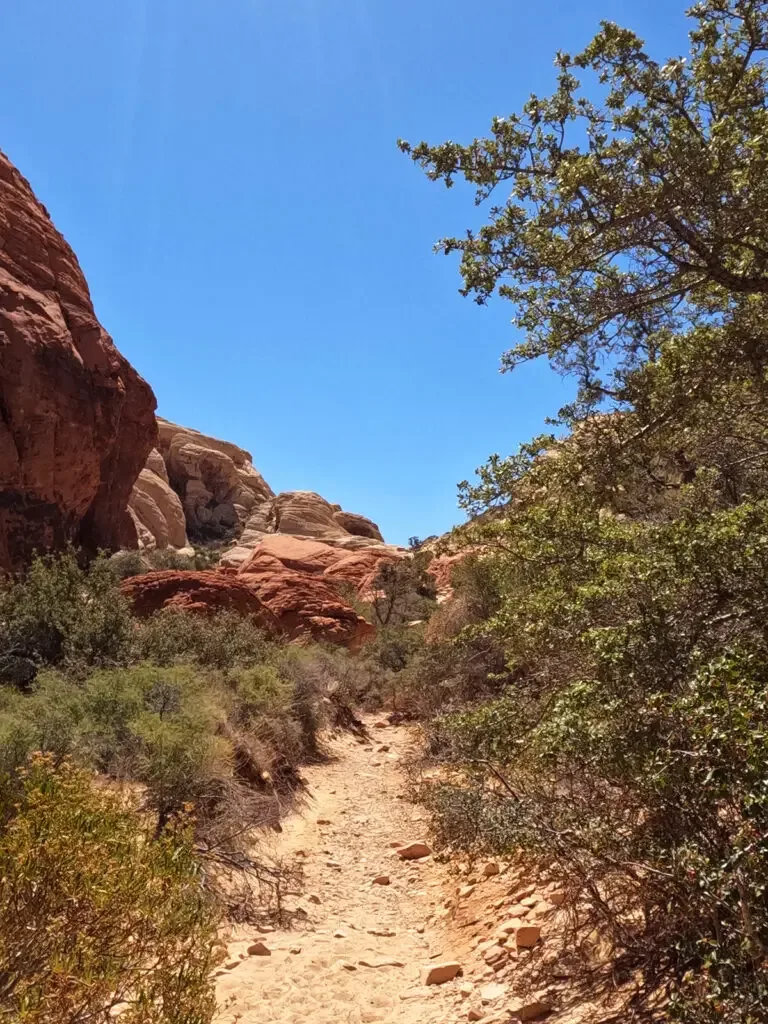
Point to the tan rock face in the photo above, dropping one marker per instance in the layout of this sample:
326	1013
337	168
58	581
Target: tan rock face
225	498
78	421
336	565
159	510
215	481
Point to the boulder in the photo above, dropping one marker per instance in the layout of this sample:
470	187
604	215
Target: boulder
78	421
281	600
158	508
215	480
357	525
204	592
305	605
357	569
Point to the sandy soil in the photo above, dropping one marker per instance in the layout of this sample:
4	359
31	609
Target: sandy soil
359	955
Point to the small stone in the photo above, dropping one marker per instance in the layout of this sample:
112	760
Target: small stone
466	990
531	1009
557	898
438	974
314	899
466	890
339	934
381	725
295	950
527	936
415	993
382	880
493	991
384	748
414	851
267	928
521	894
323	821
519	910
232	965
493	953
259	949
385	933
530	901
474	1014
508	927
347	965
333	864
491	868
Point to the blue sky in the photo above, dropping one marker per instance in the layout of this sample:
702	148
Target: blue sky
257	246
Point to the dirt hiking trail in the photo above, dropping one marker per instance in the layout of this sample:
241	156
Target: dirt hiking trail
358	956
360	948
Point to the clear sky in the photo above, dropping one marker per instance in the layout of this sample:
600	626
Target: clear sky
227	172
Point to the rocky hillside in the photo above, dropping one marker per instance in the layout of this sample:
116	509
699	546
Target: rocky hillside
196	489
76	420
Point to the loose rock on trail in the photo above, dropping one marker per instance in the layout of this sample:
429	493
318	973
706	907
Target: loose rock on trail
363	950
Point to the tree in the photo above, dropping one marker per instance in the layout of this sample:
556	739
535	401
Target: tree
404	589
633	216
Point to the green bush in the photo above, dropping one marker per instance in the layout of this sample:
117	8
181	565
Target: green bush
223	641
58	613
95	915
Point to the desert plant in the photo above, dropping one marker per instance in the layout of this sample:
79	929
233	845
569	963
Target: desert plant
226	640
59	613
94	913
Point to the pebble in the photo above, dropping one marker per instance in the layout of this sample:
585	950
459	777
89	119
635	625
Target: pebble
259	949
414	851
438	974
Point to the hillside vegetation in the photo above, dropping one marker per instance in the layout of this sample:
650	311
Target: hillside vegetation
616	617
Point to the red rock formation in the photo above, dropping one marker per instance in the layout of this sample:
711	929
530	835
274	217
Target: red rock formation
441	568
77	422
305	604
297	604
203	592
335	565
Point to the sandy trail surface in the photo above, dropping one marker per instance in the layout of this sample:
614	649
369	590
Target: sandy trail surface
358	956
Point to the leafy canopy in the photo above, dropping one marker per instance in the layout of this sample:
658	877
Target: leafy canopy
630	216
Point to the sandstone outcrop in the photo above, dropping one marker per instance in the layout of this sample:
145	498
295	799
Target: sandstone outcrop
158	509
305	605
295	604
77	420
215	480
204	592
357	569
226	501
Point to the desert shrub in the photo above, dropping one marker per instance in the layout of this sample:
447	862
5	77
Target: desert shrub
94	913
170	558
156	726
223	641
125	564
59	613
